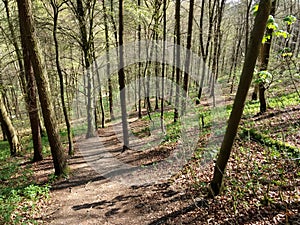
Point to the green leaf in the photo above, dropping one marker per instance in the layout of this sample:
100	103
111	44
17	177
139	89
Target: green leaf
290	19
255	9
271	19
266	38
263	77
282	33
271	24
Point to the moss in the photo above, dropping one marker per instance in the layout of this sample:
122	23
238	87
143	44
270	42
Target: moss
267	141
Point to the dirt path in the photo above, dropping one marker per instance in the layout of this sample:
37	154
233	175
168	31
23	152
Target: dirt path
100	190
89	197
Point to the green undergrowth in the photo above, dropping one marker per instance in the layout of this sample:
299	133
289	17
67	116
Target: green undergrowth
19	195
278	102
172	129
27	143
265	140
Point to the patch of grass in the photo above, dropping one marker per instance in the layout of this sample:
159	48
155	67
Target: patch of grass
279	146
18	194
279	102
284	100
79	129
172	129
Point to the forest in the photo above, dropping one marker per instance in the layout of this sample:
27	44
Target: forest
149	112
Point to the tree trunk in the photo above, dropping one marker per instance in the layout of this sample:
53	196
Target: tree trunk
205	50
9	130
56	9
265	55
239	101
188	54
29	39
178	72
96	69
139	66
121	75
86	48
29	89
163	66
110	91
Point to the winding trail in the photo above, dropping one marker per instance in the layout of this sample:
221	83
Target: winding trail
90	197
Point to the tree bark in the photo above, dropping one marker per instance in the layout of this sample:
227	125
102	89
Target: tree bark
178	72
29	89
205	50
9	130
56	9
139	65
265	55
86	47
110	91
188	54
121	75
163	66
238	105
30	40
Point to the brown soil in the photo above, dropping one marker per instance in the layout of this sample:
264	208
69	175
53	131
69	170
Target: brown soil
90	196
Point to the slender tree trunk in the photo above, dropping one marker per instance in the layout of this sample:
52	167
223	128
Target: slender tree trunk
86	47
173	68
188	54
139	66
235	60
121	74
114	23
238	105
266	48
249	4
110	91
3	132
163	66
100	90
178	72
9	130
29	38
205	50
29	89
56	9
156	69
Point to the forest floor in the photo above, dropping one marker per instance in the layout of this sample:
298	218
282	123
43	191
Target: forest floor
262	184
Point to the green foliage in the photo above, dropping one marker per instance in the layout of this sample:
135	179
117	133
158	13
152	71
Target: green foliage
18	195
281	33
285	52
271	24
290	19
33	192
255	9
263	77
278	146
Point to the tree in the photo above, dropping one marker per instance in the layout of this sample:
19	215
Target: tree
243	87
9	129
110	91
86	44
178	72
121	76
265	55
56	9
29	89
29	42
139	29
188	53
204	49
163	65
